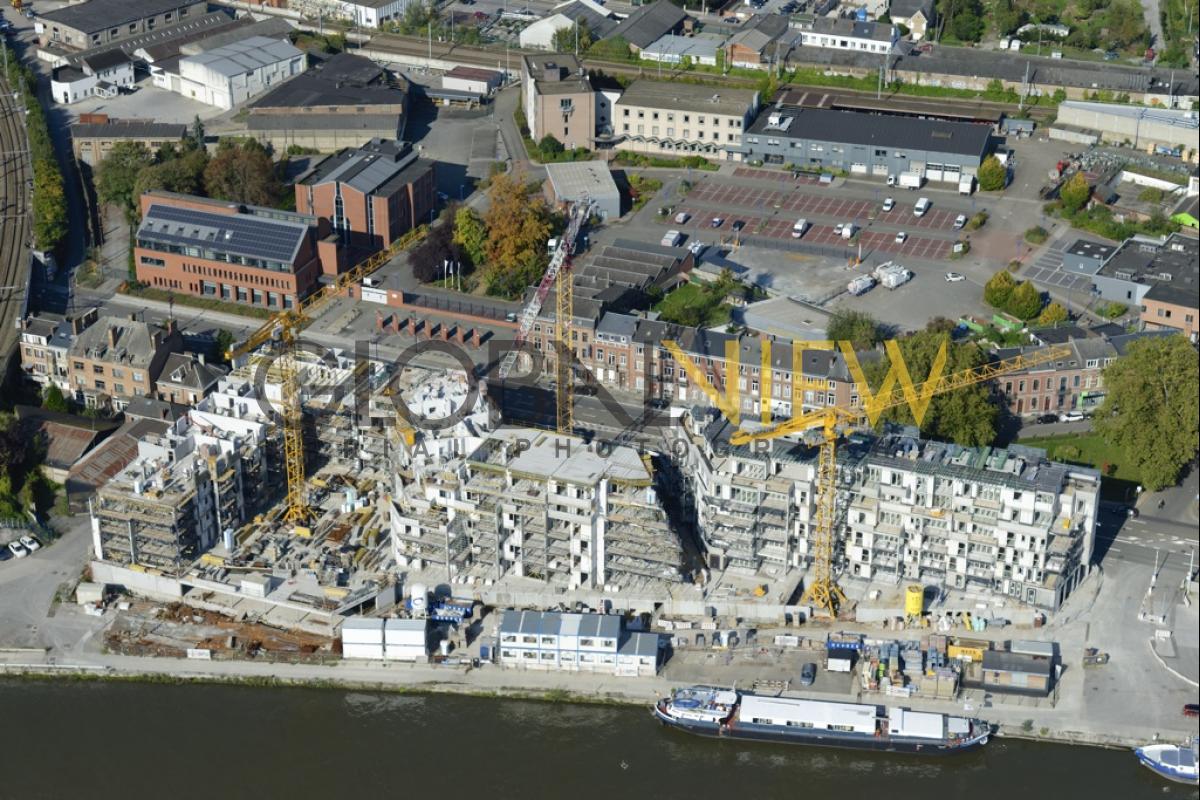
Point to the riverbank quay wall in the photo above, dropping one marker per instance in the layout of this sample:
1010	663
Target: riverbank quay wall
1015	722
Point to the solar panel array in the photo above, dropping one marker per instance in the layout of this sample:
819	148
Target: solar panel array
241	234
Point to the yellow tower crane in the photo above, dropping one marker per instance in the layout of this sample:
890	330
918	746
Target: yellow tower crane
822	591
284	327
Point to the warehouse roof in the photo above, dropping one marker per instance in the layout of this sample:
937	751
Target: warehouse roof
128	129
571	179
98	62
98	15
840	26
473	73
248	54
670	45
647	23
600	25
1001	661
850	127
343	80
689	97
271	27
1171	267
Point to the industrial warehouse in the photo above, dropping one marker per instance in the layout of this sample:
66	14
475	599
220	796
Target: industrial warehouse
865	144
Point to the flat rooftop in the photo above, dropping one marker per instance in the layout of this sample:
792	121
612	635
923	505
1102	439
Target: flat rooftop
674	96
549	455
1171	269
876	130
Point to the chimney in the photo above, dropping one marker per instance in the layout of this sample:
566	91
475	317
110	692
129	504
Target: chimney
112	335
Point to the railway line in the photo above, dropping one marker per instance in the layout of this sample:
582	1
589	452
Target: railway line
417	47
15	221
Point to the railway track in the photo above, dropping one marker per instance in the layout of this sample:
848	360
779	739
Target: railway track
417	47
15	221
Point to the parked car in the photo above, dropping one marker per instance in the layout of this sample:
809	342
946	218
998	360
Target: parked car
960	221
738	225
808	674
1191	710
682	217
717	222
954	277
696	247
837	229
901	237
922	206
31	544
1046	419
1072	416
17	549
888	204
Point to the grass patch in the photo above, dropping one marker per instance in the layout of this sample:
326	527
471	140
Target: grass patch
1037	235
641	189
695	305
164	296
631	159
1090	449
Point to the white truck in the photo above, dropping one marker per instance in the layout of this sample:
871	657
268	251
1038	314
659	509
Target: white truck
966	184
911	180
799	228
860	285
671	238
890	275
848	230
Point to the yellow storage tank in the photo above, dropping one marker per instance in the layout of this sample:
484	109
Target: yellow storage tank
914	601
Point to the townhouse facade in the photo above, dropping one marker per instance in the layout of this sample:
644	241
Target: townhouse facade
559	100
114	360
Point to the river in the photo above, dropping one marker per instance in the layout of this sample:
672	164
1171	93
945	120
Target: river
126	740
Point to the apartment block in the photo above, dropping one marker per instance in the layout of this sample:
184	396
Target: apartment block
174	501
559	99
227	251
1002	521
531	504
682	118
1005	521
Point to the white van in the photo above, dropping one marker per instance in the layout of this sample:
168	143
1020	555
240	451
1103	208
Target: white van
848	230
671	238
799	228
922	206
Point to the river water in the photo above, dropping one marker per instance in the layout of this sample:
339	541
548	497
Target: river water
122	740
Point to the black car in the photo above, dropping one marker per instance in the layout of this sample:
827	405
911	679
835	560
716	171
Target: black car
737	226
1046	419
808	674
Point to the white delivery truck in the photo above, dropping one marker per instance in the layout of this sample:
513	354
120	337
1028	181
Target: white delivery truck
860	285
799	228
911	180
671	239
966	184
848	230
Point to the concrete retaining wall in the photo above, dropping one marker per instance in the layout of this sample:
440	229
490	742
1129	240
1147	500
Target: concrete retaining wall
139	582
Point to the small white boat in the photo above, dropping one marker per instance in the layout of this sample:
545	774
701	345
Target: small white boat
1175	762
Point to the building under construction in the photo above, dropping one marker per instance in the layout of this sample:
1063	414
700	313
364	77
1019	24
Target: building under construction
533	504
174	501
991	520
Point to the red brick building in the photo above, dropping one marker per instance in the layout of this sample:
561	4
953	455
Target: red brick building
371	196
226	251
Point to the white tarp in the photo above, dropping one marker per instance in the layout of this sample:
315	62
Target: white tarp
917	724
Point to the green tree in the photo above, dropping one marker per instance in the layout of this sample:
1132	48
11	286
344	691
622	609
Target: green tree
1074	193
195	136
50	223
966	416
117	174
992	175
470	234
549	147
244	173
565	38
1025	301
1053	314
1151	409
53	400
857	327
183	174
998	289
224	343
